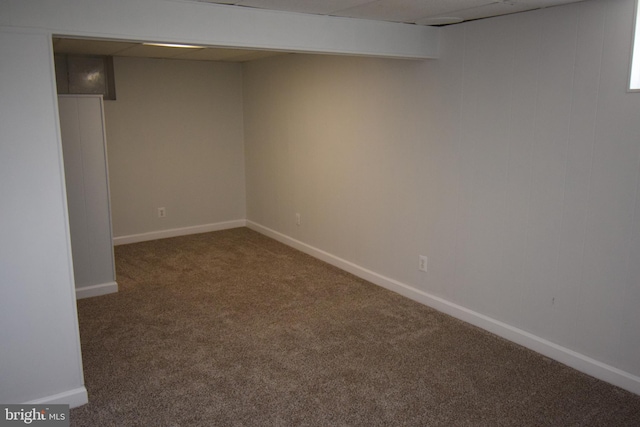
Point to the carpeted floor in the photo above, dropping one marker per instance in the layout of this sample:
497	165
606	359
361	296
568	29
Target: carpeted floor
234	329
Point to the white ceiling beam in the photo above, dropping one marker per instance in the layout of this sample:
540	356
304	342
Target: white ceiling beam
178	21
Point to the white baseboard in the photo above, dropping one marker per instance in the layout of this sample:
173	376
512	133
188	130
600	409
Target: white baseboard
96	290
74	398
554	351
175	232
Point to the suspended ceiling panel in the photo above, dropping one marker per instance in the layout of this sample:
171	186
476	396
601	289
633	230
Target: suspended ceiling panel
231	55
487	11
317	7
422	12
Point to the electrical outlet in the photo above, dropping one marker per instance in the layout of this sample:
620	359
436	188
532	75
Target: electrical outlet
422	263
162	212
298	219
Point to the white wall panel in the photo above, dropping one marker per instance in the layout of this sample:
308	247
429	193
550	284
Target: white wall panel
582	125
484	151
439	185
629	341
549	160
613	187
522	80
40	349
85	163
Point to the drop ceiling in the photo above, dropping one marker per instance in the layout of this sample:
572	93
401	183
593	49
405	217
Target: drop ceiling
419	12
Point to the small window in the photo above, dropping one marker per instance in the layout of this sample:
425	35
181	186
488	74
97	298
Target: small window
634	80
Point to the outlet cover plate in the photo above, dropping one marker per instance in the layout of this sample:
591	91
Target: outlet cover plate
422	263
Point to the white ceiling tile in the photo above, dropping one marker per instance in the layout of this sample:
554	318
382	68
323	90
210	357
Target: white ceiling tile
145	51
498	9
219	1
324	7
409	10
235	55
495	9
251	55
210	54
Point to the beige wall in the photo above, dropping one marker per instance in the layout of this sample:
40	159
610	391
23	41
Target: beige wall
512	162
175	140
340	141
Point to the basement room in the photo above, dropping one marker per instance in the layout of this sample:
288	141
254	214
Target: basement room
356	212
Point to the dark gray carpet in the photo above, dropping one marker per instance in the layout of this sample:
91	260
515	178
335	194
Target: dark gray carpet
234	329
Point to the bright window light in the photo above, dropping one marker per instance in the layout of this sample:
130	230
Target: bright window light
634	81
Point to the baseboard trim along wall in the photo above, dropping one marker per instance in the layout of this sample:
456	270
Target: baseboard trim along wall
96	290
74	398
554	351
175	232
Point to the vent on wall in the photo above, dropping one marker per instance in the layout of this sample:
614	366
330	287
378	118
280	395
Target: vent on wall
85	74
